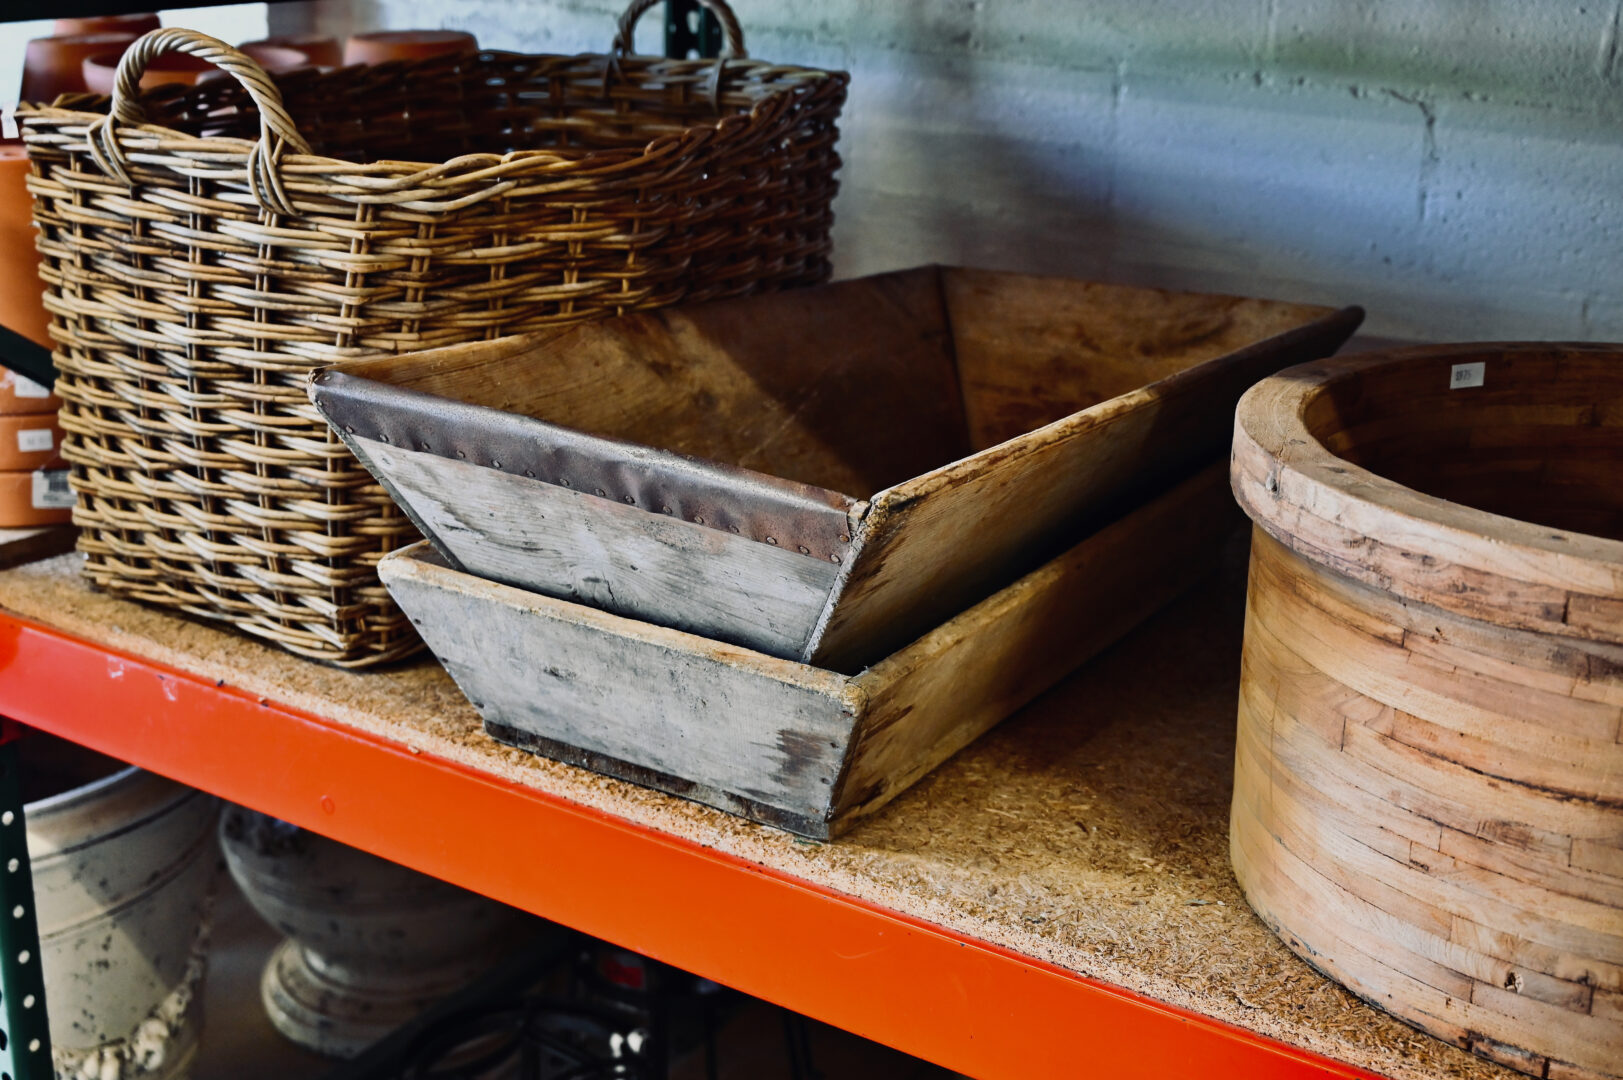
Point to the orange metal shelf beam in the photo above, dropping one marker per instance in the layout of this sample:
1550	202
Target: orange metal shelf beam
965	1004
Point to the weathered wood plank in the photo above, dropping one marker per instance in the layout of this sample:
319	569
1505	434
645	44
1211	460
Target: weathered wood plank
721	717
940	693
778	741
848	386
936	543
1033	349
853	389
613	557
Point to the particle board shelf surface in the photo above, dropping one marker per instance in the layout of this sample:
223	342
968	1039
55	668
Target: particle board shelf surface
1088	831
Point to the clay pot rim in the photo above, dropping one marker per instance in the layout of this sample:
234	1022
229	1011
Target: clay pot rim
149	19
385	46
60	825
90	37
62	800
180	61
411	35
1363	525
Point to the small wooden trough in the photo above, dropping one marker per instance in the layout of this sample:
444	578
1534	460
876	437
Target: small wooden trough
795	746
1428	797
822	474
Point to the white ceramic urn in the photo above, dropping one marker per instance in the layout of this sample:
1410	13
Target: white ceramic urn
370	943
123	868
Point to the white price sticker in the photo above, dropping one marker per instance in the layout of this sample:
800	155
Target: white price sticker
32	442
23	386
1465	376
51	490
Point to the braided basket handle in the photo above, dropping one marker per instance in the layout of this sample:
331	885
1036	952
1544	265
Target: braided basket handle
277	132
733	32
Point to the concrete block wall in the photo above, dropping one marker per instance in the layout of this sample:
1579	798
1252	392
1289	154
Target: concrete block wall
1454	165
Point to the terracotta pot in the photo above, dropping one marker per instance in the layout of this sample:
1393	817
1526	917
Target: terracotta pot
30	442
320	51
175	67
22	396
134	25
55	65
371	943
124	866
38	497
22	305
385	45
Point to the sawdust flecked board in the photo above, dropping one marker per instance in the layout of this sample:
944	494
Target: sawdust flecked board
823	474
799	747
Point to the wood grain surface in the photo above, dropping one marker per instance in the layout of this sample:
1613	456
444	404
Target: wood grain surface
1082	399
785	743
850	386
1428	800
610	556
933	698
976	424
716	715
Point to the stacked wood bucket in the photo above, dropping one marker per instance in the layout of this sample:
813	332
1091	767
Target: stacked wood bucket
1429	782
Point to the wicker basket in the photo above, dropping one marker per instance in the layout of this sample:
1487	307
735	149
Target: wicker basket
197	274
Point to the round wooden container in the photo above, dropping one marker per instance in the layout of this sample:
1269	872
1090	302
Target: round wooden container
1428	800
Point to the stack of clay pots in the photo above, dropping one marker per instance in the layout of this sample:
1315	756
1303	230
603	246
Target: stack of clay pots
55	65
33	477
83	55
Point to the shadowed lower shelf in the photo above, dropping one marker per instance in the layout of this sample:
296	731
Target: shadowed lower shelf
1055	896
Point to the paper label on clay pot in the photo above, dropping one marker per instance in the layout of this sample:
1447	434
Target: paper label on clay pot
51	490
23	386
1465	376
29	442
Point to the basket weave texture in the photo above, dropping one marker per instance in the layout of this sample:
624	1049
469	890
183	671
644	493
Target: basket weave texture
196	273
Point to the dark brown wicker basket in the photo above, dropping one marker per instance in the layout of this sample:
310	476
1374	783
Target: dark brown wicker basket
196	274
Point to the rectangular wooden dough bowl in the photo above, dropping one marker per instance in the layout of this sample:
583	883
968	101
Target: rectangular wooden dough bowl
780	742
821	474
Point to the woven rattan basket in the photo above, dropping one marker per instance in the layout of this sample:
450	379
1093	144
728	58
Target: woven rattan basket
196	273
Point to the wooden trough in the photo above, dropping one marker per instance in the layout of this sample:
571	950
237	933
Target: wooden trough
1428	798
781	742
822	474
